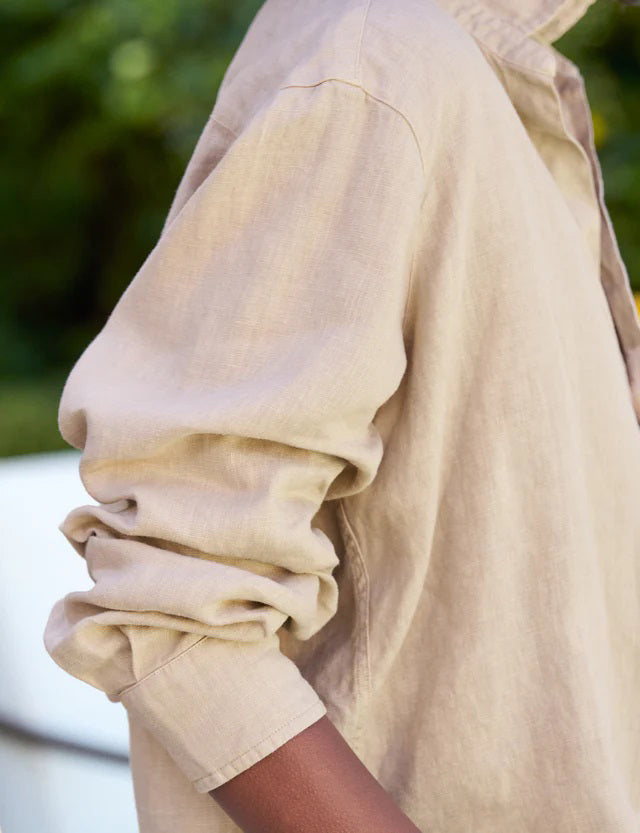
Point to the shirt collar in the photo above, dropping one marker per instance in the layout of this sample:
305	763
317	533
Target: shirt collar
547	20
550	19
519	31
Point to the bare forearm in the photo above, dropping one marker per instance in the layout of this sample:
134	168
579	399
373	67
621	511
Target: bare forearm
314	783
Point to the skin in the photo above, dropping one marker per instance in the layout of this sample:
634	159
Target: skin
313	783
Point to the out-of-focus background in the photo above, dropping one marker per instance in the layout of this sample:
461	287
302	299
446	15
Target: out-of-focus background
101	104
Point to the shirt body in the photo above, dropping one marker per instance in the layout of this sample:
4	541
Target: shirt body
364	433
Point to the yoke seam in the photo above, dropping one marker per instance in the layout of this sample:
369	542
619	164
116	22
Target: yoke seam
388	104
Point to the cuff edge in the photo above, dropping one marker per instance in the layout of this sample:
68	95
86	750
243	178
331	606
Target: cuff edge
256	753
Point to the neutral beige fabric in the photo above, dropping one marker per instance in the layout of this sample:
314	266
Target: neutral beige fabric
363	438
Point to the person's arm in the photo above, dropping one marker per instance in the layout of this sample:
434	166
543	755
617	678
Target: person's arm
233	390
314	783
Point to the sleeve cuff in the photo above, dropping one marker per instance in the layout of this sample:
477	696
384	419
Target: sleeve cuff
221	706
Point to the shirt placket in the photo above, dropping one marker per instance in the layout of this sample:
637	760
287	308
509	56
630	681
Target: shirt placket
555	101
614	276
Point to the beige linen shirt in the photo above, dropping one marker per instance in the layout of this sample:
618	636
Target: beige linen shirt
363	433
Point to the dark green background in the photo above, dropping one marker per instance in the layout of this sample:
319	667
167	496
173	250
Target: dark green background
102	103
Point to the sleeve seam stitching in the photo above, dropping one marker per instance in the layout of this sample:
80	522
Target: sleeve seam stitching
367	595
411	282
413	131
160	667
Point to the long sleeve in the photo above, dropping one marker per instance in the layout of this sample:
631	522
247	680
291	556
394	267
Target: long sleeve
231	391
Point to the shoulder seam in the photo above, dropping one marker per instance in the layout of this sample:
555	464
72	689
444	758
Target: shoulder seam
359	86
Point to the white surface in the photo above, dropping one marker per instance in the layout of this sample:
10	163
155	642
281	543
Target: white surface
50	791
37	567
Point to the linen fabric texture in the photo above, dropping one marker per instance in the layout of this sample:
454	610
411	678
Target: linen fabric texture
363	433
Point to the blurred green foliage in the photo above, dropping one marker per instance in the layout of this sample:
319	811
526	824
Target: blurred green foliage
101	106
606	46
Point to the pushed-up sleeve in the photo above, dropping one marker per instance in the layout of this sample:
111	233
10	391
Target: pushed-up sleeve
230	392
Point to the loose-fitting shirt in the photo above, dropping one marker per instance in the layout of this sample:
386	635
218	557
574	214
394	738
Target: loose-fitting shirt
362	433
